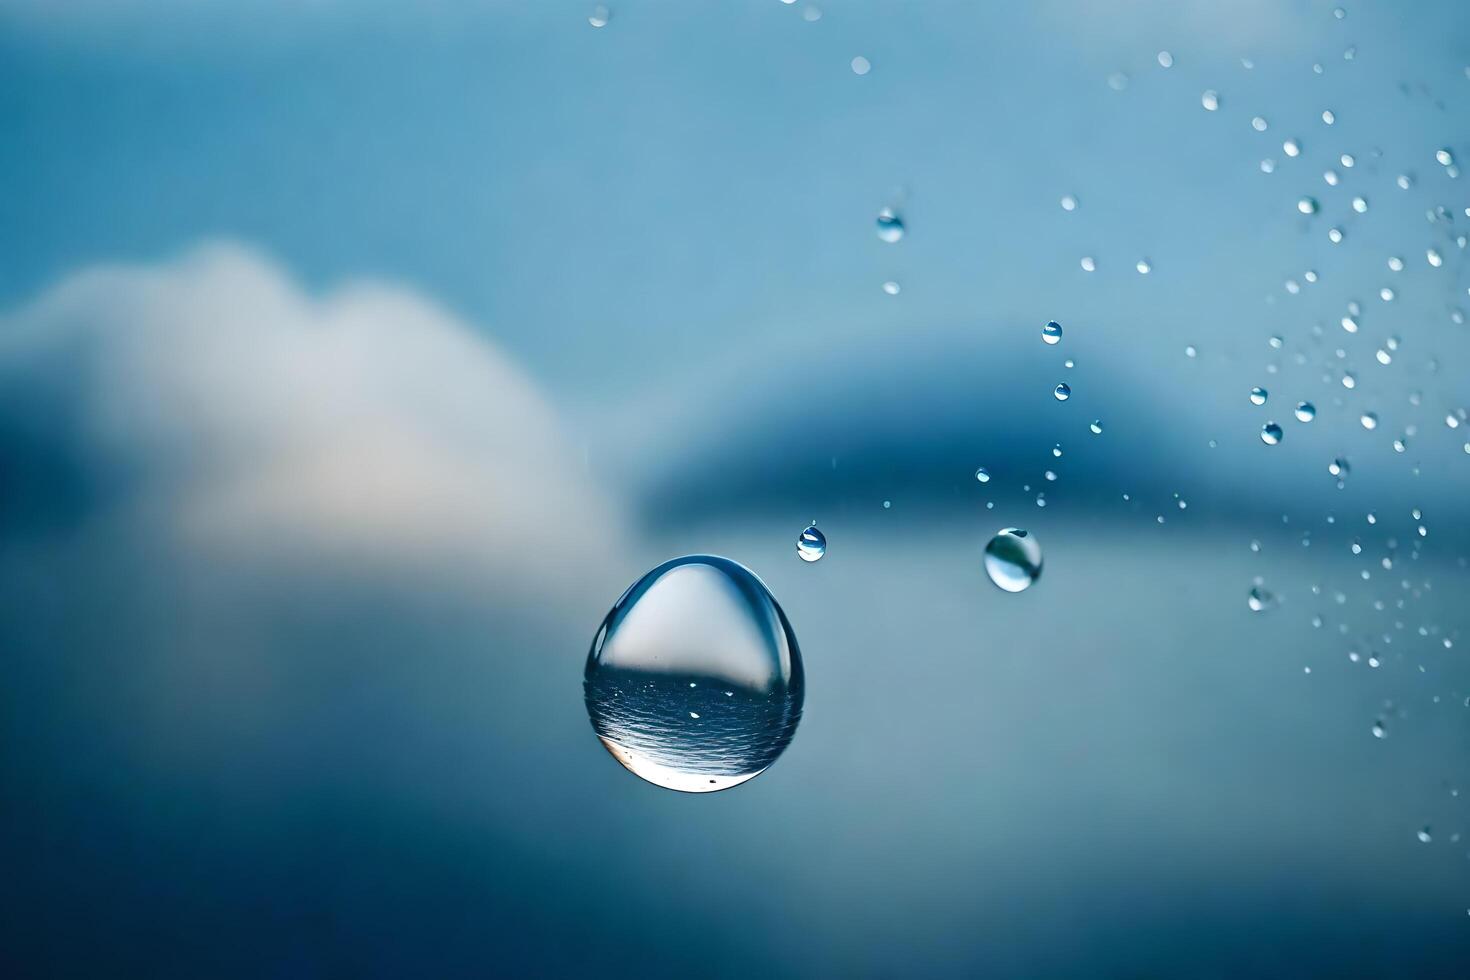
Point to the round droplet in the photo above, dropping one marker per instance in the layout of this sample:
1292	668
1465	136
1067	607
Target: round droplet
1088	264
1210	100
600	16
861	65
1144	267
1369	420
1305	411
1291	148
1069	203
1013	559
1307	205
1328	117
1340	468
890	225
1062	391
983	475
1444	157
1360	205
1258	396
1190	351
1259	600
1258	124
1096	427
811	544
1166	60
1380	730
1270	433
694	681
891	288
1424	835
1052	332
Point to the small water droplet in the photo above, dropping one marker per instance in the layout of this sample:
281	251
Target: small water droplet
1258	396
1088	264
1307	205
1270	433
1380	730
1052	332
1144	267
1096	427
1190	351
1069	203
1305	411
1259	600
1433	258
600	16
1210	100
1259	124
983	475
1328	116
861	65
811	544
1291	148
1444	157
1013	560
1062	391
892	288
1369	420
1424	835
890	225
1166	60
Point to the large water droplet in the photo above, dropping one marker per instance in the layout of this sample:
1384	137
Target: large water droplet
1062	391
811	544
1013	559
1270	433
1307	205
1305	411
1210	100
1369	420
890	225
983	475
694	681
1258	396
600	16
1259	600
1052	332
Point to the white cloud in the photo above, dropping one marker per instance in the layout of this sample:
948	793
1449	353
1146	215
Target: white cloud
366	428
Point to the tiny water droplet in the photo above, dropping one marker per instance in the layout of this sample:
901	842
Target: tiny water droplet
983	475
890	225
600	16
1013	559
811	544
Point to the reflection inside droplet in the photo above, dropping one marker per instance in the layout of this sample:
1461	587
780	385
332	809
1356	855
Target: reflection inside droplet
1013	559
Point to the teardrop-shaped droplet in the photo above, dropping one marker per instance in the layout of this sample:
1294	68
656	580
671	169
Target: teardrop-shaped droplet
1270	433
890	225
1013	559
694	681
811	545
1052	332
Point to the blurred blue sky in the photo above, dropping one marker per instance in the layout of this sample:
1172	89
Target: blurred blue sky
355	357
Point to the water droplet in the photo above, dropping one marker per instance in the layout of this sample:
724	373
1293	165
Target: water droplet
1405	181
1369	420
1270	433
1166	60
1210	100
1307	205
1013	559
811	544
1444	157
811	14
1433	258
1329	177
1096	427
861	65
1258	396
1259	600
1360	205
1291	148
892	288
1062	391
1380	730
983	475
1069	203
1424	836
1088	265
600	16
1328	117
1118	81
1305	411
890	225
1143	267
1190	351
1334	235
1258	124
1349	380
698	638
1268	166
1052	332
1347	160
